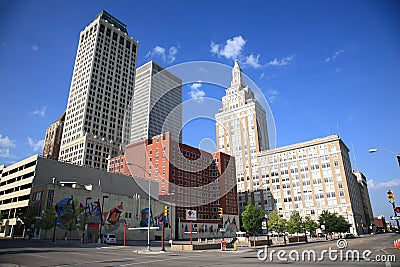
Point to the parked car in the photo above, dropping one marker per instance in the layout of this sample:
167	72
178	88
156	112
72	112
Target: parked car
109	239
348	235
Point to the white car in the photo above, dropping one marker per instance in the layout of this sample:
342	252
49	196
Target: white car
109	239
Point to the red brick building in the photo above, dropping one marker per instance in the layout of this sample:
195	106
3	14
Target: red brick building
189	178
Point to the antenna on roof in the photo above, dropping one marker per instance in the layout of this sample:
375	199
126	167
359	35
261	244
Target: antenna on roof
354	157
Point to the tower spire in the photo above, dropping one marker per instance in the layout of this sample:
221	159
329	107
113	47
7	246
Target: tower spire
236	74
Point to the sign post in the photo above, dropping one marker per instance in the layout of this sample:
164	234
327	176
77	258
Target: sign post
191	234
162	237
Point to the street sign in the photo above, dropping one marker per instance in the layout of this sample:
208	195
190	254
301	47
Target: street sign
264	225
191	215
394	218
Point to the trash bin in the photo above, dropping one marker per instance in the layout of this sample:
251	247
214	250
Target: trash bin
223	245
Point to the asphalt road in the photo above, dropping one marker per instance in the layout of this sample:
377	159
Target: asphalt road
38	253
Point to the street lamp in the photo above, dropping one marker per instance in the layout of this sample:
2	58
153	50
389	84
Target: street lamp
148	216
55	225
266	223
170	219
101	217
84	227
373	150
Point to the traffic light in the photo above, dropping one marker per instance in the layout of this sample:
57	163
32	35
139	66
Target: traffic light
221	212
398	159
397	209
166	210
390	196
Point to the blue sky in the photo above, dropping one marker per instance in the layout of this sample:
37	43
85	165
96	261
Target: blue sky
325	67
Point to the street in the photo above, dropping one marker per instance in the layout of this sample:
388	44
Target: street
39	253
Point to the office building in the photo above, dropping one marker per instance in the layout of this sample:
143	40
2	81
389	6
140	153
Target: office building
368	220
189	178
51	147
157	103
241	131
97	119
37	179
314	176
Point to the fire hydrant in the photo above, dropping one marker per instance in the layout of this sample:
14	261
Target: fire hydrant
234	246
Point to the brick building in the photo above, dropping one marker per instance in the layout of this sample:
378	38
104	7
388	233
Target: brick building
189	178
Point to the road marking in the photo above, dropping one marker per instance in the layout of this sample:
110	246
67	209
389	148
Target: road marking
151	261
91	262
40	256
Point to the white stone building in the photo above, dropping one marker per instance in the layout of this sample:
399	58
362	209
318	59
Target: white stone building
98	111
314	176
241	130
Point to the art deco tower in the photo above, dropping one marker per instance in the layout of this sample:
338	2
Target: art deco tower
242	132
97	120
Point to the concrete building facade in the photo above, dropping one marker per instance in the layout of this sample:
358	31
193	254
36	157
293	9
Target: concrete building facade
314	176
157	103
17	181
134	211
241	130
97	121
368	220
51	147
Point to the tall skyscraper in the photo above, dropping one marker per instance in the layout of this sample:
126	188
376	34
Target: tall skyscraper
101	90
241	130
157	103
51	147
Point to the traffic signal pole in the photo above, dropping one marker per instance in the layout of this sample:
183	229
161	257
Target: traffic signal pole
392	201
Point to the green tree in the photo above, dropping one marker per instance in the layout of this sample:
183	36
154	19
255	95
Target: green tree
74	217
342	225
333	222
29	217
310	224
252	219
294	224
46	221
276	222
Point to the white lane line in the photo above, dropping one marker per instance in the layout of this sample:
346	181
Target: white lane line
91	262
151	261
40	256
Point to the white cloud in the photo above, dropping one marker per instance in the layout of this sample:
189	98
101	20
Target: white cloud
5	153
383	185
262	76
6	142
272	95
196	93
36	145
281	62
231	50
252	61
40	112
167	57
334	56
35	47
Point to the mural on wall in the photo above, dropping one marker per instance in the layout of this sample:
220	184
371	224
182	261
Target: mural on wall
64	209
112	218
144	218
230	227
161	218
93	209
